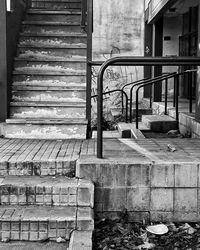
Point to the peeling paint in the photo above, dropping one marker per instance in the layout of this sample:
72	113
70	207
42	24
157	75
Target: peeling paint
45	67
47	98
51	113
46	132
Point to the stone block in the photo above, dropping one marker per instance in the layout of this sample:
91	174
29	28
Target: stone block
85	195
138	175
81	240
161	199
112	176
158	216
138	199
185	200
33	236
186	217
72	200
13	199
15	226
15	235
114	199
34	226
85	219
6	226
162	175
24	236
25	226
186	175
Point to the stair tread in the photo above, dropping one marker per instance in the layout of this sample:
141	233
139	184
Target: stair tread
51	23
53	12
158	118
67	34
39	213
46	181
40	59
74	103
48	88
56	46
47	72
55	121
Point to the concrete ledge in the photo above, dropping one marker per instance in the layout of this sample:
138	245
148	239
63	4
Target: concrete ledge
81	240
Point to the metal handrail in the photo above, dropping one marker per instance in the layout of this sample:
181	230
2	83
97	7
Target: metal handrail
123	93
176	76
134	61
137	84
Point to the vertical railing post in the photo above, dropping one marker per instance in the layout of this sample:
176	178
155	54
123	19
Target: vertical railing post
166	95
176	97
89	66
190	90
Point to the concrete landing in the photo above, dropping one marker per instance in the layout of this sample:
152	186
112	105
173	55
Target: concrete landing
160	123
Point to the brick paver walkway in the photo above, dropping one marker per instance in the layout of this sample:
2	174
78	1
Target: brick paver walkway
18	150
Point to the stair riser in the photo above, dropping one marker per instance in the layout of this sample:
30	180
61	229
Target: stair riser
47	112
50	29
46	80
46	65
49	96
29	224
56	5
57	132
54	17
31	40
49	52
46	195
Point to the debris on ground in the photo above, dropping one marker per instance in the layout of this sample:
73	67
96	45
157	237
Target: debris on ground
171	148
119	234
60	240
173	133
158	229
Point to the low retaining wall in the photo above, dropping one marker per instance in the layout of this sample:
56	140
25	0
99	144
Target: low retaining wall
159	192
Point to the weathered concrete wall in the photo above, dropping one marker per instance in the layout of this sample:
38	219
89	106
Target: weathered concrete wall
118	30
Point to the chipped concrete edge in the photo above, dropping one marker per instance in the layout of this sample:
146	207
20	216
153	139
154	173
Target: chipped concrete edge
81	240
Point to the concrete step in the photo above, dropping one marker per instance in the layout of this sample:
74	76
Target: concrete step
49	80
33	223
56	5
48	110
42	86
45	129
46	191
56	41
116	112
160	123
56	16
128	130
50	52
50	27
42	94
47	70
67	65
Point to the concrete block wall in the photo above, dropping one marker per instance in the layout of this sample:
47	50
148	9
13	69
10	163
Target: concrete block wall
160	192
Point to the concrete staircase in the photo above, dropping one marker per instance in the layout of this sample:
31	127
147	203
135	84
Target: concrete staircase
41	199
49	77
48	208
